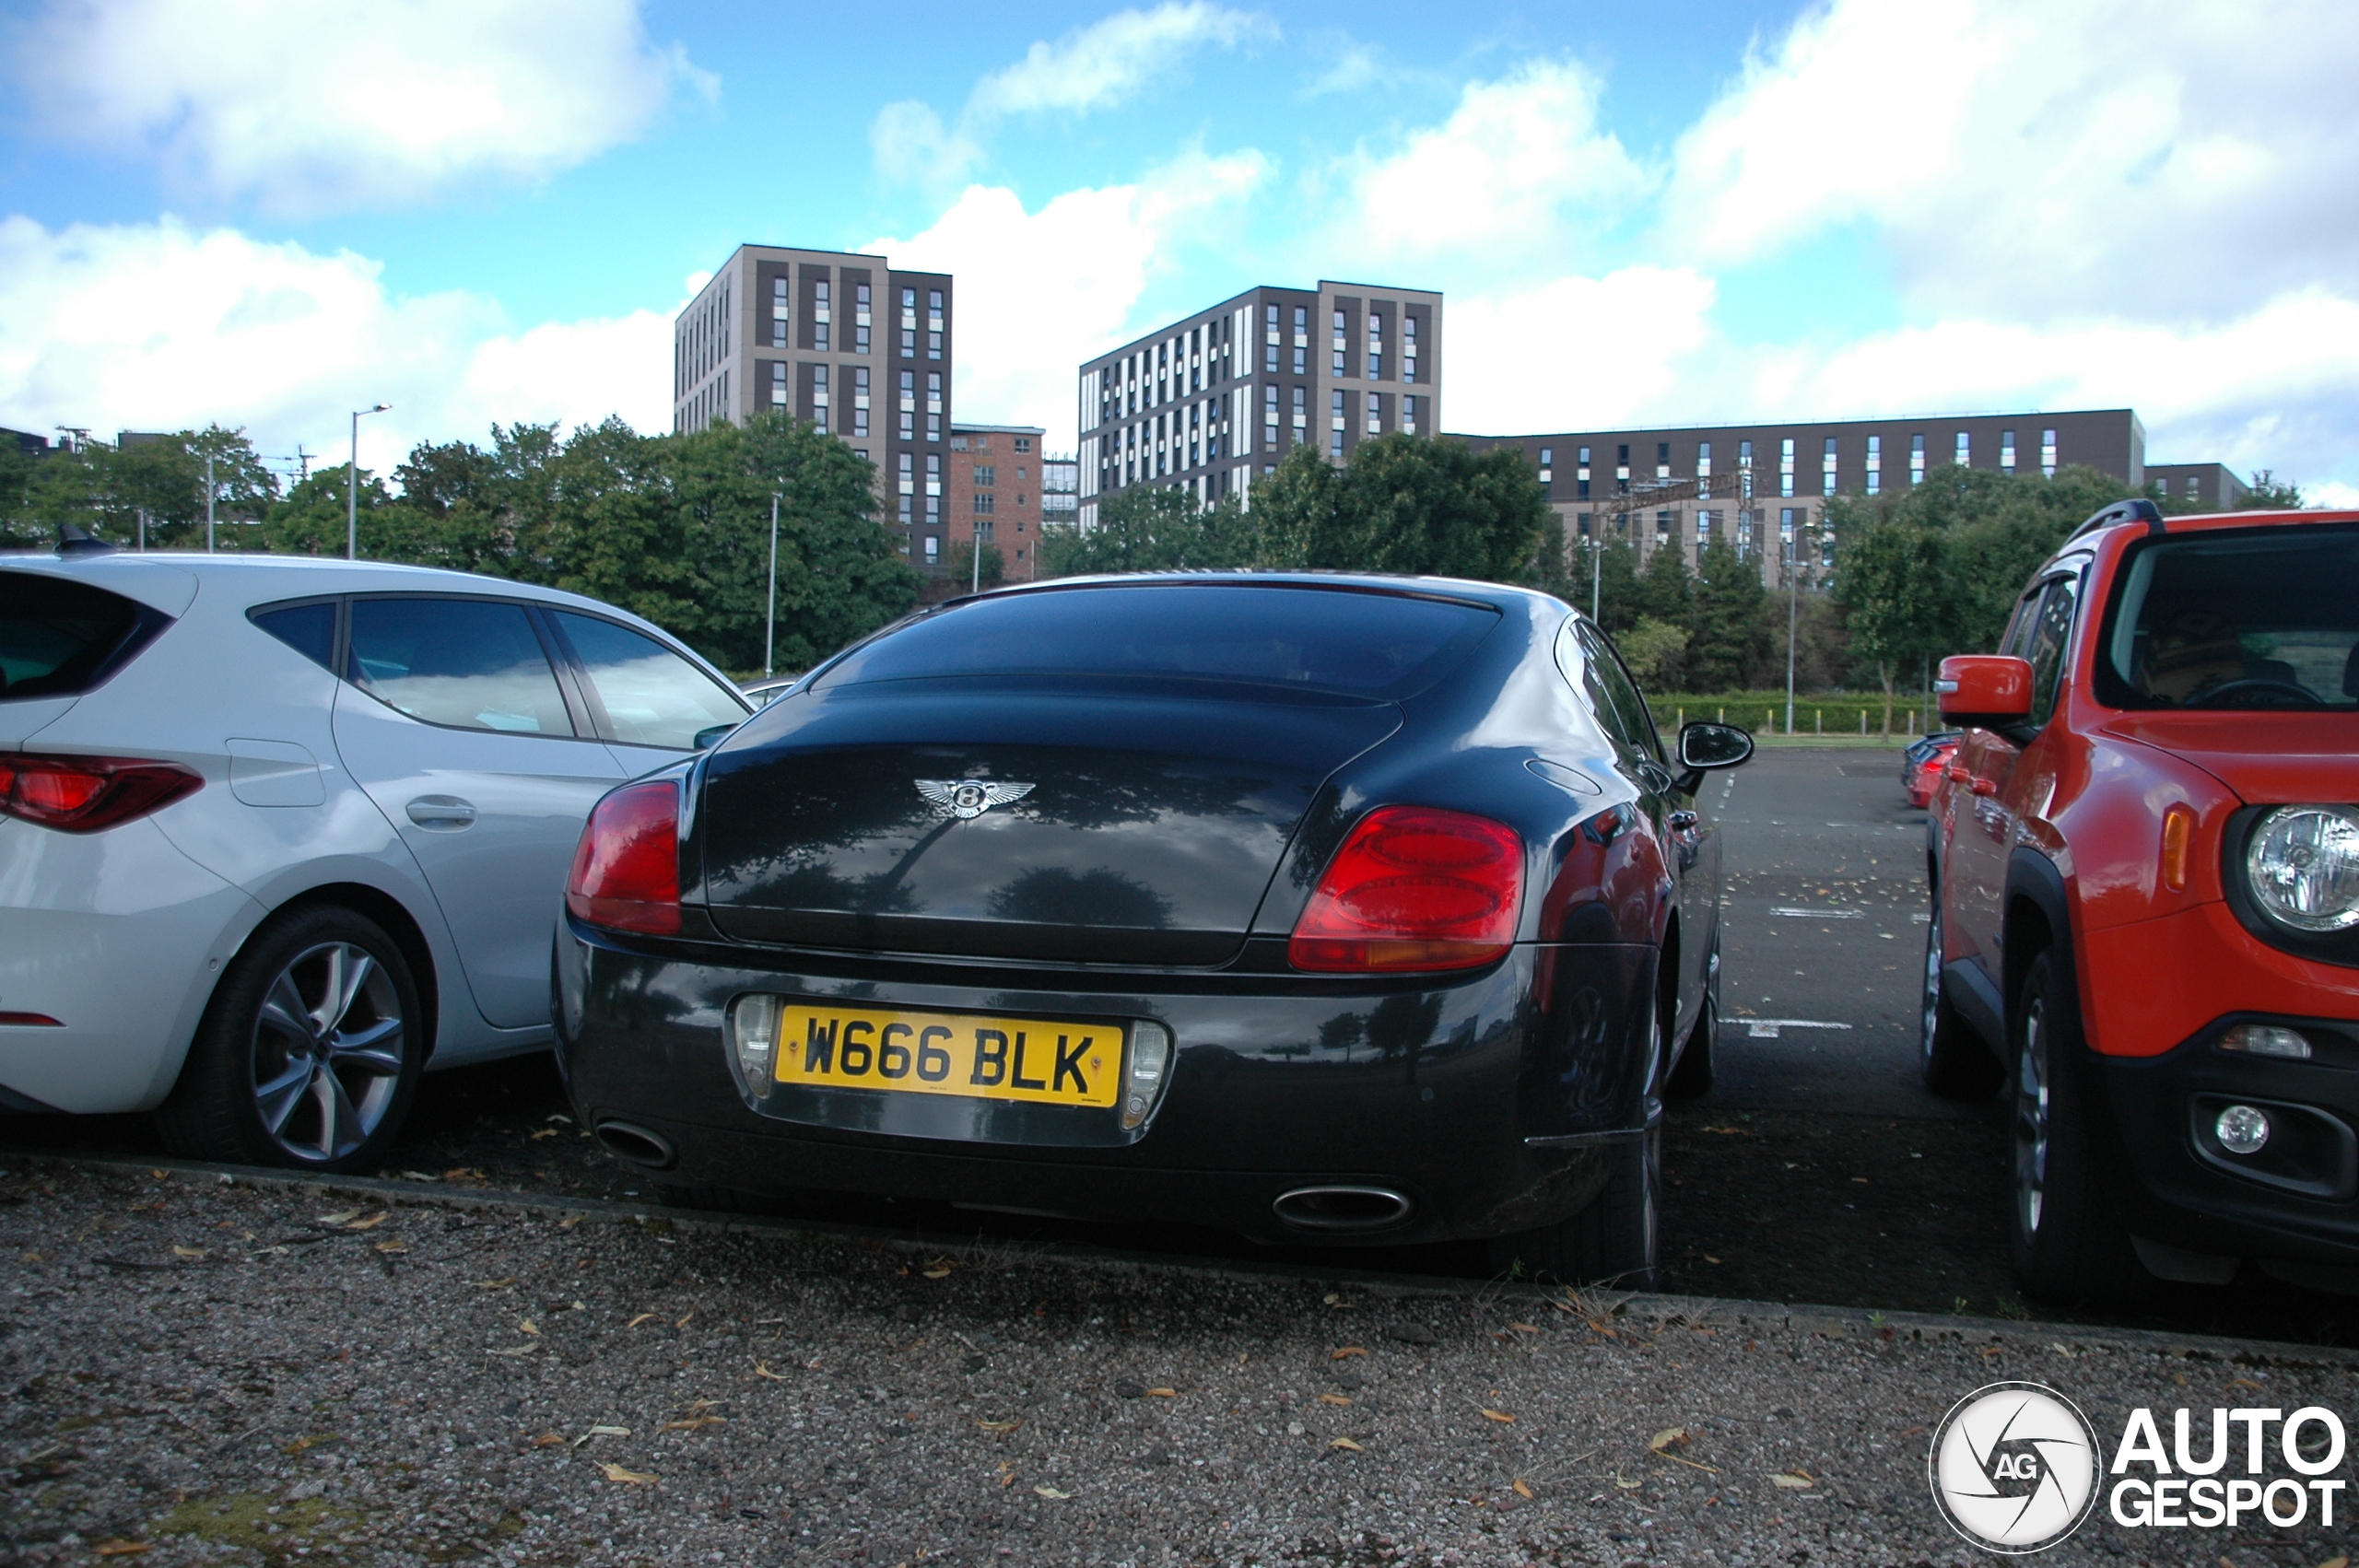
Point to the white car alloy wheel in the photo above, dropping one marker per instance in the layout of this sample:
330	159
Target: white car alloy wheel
327	1051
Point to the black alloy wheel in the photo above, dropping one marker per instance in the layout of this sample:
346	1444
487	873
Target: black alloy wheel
2071	1245
1954	1060
309	1052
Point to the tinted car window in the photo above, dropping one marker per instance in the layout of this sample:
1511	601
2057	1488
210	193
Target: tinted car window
471	663
2051	628
59	637
1612	692
1368	644
308	629
653	696
2261	617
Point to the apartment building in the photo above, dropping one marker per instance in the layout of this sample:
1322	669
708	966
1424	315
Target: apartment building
1763	487
2207	486
997	495
1214	399
848	342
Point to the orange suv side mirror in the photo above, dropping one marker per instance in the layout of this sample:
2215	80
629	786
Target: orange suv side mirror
1985	690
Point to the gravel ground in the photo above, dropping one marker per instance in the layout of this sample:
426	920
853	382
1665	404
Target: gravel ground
204	1370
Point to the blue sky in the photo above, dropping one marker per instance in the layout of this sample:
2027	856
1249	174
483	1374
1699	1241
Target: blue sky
266	212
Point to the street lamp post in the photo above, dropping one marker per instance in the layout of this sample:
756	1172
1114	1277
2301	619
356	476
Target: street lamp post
208	503
352	487
1793	602
769	633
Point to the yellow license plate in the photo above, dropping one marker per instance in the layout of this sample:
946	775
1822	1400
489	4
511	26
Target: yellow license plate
951	1053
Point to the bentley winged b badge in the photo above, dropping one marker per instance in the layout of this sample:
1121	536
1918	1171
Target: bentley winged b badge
968	799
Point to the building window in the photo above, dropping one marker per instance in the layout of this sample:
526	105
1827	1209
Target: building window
778	383
1408	414
1786	467
986	476
1023	444
909	409
860	319
986	503
1408	346
1964	449
1339	345
1705	522
1875	464
1301	416
934	323
820	315
2006	452
1827	468
1703	460
860	400
1336	423
779	298
908	324
1662	460
1917	459
1270	415
1375	346
2047	453
819	396
906	484
934	406
932	549
1375	415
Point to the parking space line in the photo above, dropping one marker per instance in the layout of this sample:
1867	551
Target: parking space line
1767	1028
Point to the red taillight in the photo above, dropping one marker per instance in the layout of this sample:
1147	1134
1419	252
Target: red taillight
1414	888
83	794
626	869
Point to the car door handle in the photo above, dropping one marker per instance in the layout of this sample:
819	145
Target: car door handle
1685	822
443	813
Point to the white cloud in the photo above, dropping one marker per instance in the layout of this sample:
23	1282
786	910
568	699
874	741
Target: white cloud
1039	292
1090	69
2038	158
160	326
1503	187
306	109
1520	359
1100	65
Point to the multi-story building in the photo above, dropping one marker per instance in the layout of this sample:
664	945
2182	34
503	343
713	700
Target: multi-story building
1215	398
1059	488
848	342
1763	487
996	494
2206	487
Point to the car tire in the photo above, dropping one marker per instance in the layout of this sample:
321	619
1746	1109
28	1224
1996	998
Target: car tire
1614	1240
1691	1076
308	1055
2070	1245
1955	1061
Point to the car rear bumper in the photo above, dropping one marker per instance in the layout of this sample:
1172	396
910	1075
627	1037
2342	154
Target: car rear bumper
118	936
2294	1202
1489	1103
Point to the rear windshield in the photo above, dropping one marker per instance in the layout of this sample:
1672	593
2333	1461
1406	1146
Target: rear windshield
2259	618
59	637
1370	644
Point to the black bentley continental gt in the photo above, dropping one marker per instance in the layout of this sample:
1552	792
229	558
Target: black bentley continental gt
1315	907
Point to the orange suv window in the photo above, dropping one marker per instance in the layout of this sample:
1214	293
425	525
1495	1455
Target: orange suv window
2252	618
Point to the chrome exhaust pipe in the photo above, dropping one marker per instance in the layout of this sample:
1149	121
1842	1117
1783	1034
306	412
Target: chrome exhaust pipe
638	1145
1333	1208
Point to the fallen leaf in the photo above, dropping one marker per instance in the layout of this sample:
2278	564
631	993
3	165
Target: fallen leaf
1790	1481
463	1173
391	1247
2336	1562
124	1547
684	1322
418	1176
546	1132
1347	1352
629	1477
296	1447
496	1284
1709	1259
1523	1489
523	1349
1008	1475
762	1369
602	1432
1524	1327
1498	1415
1333	1399
693	1423
1668	1438
1163	1393
1596	1328
370	1223
1993	1349
1627	1485
526	1326
1345	1444
548	1440
937	1273
1050	1491
643	1318
337	1219
185	1252
568	1222
1001	1426
2240	1383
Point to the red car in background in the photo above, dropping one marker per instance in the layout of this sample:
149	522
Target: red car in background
1924	764
2146	920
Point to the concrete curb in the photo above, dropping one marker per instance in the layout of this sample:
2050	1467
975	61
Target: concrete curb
1826	1322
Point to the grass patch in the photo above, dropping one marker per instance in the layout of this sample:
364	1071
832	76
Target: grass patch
259	1525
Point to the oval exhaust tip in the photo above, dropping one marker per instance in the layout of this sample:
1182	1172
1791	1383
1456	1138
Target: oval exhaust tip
1342	1208
637	1144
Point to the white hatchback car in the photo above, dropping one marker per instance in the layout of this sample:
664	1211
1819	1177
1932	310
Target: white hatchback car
278	834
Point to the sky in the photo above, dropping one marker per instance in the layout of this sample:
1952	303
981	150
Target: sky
269	213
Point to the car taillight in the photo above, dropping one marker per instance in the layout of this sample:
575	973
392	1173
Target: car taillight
626	869
83	794
1414	888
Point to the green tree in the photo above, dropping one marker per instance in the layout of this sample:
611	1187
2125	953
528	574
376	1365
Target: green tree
958	567
1656	652
1146	528
1888	580
1667	588
309	519
1730	635
2268	493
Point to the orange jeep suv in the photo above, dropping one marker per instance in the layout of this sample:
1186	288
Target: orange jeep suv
2145	859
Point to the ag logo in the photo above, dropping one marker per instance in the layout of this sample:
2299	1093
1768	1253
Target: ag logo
2014	1468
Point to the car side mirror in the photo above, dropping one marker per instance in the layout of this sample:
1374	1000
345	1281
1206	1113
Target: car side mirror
713	735
1987	691
1704	744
